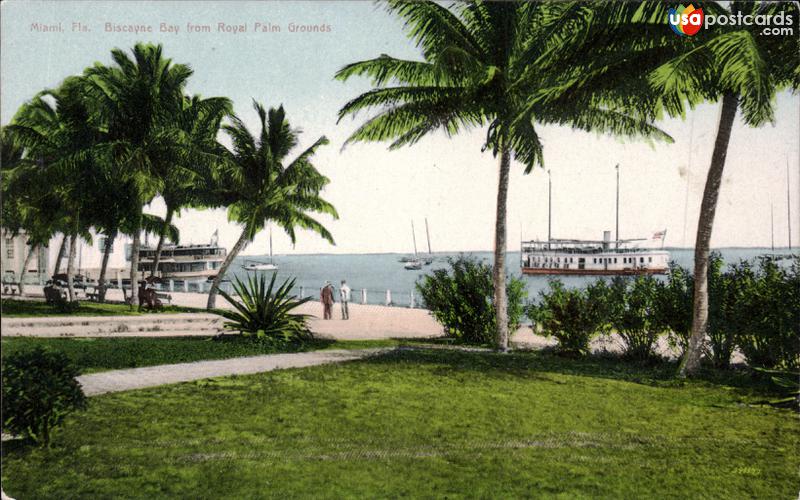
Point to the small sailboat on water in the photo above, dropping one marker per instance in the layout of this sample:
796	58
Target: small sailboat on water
413	264
262	266
429	259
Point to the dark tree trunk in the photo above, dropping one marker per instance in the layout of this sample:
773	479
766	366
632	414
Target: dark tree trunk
691	361
71	268
212	294
61	251
161	236
499	276
101	281
134	300
25	263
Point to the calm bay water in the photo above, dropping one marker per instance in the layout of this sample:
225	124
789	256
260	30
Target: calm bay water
378	272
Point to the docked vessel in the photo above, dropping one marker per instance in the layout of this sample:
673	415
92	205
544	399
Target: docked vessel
184	262
593	257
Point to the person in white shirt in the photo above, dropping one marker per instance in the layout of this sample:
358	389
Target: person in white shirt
344	298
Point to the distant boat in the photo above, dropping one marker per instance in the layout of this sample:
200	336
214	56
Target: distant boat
414	264
429	259
184	262
592	257
262	266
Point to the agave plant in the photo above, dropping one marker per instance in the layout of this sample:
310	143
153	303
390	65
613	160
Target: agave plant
787	384
264	312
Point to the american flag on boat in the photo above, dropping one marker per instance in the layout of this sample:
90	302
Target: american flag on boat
659	235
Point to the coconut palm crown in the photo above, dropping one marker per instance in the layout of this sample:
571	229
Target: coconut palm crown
262	184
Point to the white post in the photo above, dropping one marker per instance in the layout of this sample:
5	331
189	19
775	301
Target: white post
363	295
302	292
119	280
200	286
171	285
411	305
185	285
388	297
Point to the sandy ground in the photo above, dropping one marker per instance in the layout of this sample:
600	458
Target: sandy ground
370	322
366	321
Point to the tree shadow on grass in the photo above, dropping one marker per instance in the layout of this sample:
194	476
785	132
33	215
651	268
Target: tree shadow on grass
656	372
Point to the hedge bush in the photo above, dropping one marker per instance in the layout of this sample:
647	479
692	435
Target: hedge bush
633	314
39	390
572	316
461	299
767	314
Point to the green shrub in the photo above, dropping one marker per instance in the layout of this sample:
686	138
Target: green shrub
572	316
39	390
674	306
461	299
726	292
633	314
766	312
264	313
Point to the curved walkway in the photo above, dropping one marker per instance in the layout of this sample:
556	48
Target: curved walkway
152	376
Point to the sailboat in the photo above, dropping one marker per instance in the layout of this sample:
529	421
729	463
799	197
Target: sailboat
415	264
262	266
429	259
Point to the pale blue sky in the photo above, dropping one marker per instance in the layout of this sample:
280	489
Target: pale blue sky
378	192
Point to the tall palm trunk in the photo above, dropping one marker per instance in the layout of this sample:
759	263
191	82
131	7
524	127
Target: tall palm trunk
212	294
61	251
161	236
25	263
691	361
499	277
71	268
101	281
135	267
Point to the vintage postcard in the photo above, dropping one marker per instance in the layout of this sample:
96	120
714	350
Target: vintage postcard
383	249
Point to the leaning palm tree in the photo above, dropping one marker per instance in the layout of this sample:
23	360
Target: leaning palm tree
136	100
261	184
744	68
479	69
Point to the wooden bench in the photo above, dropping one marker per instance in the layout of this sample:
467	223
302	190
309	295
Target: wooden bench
10	286
164	297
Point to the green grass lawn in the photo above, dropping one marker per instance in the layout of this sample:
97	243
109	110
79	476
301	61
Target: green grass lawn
100	354
31	308
424	423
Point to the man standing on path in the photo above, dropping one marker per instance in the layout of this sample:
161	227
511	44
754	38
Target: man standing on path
326	297
344	297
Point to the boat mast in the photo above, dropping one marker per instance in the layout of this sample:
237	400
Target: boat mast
270	244
788	204
549	208
427	235
771	227
616	235
414	237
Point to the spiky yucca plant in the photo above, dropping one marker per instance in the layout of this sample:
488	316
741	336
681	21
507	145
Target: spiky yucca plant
264	312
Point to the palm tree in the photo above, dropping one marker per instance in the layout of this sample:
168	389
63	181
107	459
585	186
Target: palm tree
744	68
188	179
480	68
137	100
262	185
52	183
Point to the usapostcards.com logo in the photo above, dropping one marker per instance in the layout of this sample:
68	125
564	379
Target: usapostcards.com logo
685	21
